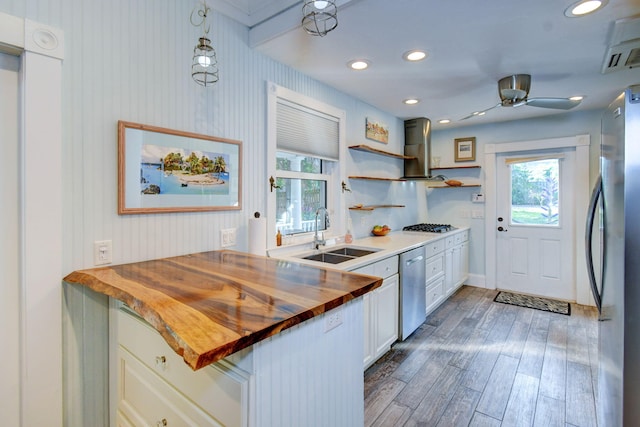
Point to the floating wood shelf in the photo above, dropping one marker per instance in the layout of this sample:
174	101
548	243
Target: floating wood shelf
373	178
452	186
372	207
368	149
456	167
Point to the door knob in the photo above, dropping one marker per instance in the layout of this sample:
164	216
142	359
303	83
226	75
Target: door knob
500	219
502	229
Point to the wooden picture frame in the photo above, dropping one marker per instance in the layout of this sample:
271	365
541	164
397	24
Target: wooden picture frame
465	149
163	170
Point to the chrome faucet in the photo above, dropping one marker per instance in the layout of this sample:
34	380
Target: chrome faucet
317	241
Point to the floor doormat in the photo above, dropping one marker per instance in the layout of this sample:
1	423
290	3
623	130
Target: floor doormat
538	303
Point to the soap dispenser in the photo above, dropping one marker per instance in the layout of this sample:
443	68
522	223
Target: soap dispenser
348	237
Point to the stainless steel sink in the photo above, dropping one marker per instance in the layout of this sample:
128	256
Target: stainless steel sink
329	258
336	256
354	252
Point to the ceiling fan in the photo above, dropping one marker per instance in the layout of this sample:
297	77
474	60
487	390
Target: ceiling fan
514	92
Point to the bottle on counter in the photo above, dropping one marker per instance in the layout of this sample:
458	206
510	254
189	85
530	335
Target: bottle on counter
348	237
279	238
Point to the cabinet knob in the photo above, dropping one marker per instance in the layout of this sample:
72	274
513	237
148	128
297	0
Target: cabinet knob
162	423
161	362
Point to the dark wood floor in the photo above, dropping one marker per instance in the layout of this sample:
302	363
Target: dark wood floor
475	362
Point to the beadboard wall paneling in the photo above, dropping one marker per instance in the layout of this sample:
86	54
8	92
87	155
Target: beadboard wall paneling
130	60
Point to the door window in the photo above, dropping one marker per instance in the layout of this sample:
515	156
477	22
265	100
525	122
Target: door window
535	192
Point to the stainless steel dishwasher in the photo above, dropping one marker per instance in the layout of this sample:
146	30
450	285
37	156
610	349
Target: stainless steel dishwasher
413	305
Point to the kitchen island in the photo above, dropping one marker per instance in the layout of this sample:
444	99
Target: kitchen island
296	333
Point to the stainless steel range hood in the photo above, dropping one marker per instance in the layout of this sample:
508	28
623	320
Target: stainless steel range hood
417	140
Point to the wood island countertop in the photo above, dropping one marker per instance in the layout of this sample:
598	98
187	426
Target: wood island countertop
212	304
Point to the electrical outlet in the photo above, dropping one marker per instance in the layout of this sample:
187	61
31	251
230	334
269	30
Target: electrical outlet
102	252
333	319
227	237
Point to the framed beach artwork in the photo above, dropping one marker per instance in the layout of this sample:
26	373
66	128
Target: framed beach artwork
377	131
164	170
465	150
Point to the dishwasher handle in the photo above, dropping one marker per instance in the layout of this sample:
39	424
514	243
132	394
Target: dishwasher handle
414	260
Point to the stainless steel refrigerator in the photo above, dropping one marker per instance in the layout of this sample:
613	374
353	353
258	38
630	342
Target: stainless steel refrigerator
615	274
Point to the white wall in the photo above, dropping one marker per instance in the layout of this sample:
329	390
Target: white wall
454	205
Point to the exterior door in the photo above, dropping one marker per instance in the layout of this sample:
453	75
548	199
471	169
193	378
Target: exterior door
9	243
534	223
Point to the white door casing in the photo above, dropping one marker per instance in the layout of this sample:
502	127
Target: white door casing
40	48
536	259
9	245
581	200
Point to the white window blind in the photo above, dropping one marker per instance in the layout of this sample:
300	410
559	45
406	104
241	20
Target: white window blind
305	131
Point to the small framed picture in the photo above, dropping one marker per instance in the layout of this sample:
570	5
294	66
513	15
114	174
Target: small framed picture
465	150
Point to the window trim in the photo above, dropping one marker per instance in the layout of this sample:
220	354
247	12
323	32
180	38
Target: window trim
335	197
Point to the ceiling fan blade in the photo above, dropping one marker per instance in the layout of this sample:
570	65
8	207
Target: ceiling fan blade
556	103
479	113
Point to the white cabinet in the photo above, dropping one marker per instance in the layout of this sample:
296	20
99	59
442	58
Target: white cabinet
381	310
155	387
386	300
456	261
435	278
447	267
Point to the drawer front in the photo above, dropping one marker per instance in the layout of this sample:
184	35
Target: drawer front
461	237
219	389
435	294
383	268
435	266
433	247
450	242
387	267
146	400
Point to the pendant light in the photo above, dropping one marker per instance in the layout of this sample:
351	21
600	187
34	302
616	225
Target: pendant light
204	66
319	17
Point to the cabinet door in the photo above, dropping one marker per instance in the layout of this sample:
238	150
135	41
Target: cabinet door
464	262
448	272
368	328
386	300
457	275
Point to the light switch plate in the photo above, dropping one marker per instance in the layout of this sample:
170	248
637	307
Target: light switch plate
102	252
227	237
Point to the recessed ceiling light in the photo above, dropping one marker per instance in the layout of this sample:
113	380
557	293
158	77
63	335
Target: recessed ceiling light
358	64
444	121
584	7
414	55
577	98
411	101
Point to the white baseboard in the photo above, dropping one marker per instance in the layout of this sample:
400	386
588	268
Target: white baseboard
477	280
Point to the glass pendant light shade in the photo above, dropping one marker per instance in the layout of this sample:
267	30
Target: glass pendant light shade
319	17
204	67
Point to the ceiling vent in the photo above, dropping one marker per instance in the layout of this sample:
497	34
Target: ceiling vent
624	48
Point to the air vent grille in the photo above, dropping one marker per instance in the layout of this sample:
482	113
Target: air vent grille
624	46
634	58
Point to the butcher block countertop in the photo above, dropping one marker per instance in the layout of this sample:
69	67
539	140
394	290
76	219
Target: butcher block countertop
212	304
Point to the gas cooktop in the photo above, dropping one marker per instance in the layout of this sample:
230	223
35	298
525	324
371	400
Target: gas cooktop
429	228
